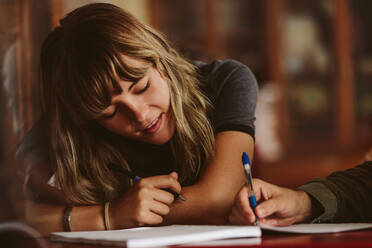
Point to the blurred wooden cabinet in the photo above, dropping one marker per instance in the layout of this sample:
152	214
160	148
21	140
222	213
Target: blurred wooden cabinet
318	53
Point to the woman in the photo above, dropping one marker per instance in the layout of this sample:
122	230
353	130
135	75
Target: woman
117	98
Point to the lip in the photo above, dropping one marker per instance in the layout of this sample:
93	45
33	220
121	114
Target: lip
154	128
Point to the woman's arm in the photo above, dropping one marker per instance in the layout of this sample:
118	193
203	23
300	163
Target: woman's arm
143	204
209	201
45	205
47	218
233	91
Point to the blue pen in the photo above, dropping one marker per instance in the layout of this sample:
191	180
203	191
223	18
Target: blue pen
248	175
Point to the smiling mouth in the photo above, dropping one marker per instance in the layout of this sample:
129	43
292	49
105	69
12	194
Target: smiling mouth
153	123
154	126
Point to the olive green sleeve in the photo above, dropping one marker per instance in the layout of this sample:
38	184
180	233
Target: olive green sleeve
344	196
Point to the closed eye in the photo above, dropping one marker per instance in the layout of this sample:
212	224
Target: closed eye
145	88
111	115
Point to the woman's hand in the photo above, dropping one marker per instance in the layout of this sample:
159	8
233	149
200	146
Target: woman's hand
277	206
145	203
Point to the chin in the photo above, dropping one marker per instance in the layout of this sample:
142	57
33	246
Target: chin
160	141
163	138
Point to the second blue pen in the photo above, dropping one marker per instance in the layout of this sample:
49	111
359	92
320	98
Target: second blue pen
248	175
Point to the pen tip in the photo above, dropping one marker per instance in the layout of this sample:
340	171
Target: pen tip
181	198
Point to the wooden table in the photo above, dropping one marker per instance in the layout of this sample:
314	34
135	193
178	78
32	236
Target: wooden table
338	240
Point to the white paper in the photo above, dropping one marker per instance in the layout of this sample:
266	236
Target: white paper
226	242
158	236
318	228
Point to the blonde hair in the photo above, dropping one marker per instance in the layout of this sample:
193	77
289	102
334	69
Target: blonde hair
80	59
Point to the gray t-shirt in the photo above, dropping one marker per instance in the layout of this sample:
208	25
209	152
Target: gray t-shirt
233	90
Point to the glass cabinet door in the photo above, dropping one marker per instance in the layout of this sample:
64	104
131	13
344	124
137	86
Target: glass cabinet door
307	62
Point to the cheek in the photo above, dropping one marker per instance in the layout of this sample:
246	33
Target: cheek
106	124
160	99
117	126
165	95
163	91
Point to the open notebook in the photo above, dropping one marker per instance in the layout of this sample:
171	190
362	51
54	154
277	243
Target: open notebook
158	236
186	234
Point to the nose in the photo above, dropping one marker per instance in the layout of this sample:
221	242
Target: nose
136	109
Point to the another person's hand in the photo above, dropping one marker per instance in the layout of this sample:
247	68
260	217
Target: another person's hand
145	203
277	206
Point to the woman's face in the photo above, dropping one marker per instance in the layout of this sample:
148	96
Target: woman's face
142	110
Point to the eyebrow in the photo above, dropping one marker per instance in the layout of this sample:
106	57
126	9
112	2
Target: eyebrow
135	82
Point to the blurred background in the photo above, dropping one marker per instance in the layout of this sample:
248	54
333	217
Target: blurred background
312	60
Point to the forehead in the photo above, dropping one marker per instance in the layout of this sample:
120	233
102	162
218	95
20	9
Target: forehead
131	63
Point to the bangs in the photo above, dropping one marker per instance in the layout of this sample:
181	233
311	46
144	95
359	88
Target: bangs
95	79
97	53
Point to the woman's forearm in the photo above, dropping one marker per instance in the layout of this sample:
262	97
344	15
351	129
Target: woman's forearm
47	218
203	206
210	200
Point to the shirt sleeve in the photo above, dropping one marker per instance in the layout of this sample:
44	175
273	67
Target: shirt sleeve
34	145
233	91
344	195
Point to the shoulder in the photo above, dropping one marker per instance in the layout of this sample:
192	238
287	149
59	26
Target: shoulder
223	77
233	91
222	69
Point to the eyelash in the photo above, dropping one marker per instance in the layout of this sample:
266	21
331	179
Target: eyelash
145	88
112	115
139	92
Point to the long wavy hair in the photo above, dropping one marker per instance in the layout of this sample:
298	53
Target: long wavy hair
80	59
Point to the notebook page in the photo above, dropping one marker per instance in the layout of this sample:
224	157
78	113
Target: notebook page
158	236
318	228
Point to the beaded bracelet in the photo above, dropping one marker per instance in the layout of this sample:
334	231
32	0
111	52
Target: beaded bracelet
67	219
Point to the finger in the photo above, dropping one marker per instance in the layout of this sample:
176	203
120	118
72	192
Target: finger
163	196
163	181
263	190
267	208
243	206
257	185
159	208
149	218
237	218
286	221
272	221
